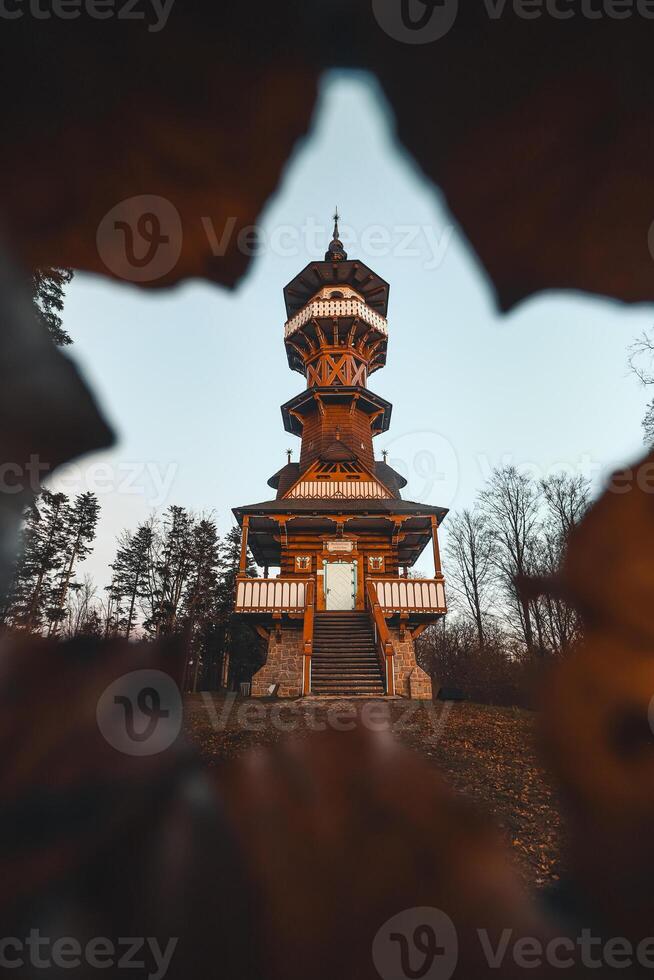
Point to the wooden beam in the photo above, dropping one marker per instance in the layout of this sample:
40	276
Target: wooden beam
242	569
397	531
307	639
438	571
415	633
353	404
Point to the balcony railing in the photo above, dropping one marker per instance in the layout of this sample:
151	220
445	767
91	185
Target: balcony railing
336	307
414	595
256	595
321	489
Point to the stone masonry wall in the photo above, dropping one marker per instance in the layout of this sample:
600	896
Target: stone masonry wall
283	665
411	681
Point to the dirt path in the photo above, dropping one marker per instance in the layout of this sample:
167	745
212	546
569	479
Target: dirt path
486	753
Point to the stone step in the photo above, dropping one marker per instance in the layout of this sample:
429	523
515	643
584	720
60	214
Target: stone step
352	675
344	651
344	691
344	660
335	660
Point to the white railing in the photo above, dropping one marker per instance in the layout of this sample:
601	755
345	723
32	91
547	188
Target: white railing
410	594
271	595
336	307
328	489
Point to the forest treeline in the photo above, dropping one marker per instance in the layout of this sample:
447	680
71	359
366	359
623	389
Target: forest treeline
172	575
494	636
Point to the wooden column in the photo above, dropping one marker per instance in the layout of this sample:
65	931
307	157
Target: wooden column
438	572
307	638
244	547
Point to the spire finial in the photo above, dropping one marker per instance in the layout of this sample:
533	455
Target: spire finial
335	252
385	454
289	453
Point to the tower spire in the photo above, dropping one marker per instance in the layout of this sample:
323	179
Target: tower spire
335	252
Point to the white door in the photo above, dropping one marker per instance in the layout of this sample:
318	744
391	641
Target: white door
340	585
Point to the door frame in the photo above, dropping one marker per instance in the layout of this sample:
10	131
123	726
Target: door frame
328	558
354	569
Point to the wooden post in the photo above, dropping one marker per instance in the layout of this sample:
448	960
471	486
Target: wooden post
384	644
438	572
307	639
244	547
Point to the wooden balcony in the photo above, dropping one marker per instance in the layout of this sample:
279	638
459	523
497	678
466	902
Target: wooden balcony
271	595
410	595
336	307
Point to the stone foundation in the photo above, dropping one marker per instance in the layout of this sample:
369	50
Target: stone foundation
283	665
411	681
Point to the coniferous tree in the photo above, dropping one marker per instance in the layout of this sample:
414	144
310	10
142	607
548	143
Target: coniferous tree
41	560
48	294
169	571
81	522
130	580
240	651
200	604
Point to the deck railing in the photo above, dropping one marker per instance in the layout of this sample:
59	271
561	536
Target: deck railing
256	595
383	642
413	595
336	307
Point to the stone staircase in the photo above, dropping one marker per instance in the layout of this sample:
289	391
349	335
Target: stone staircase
344	660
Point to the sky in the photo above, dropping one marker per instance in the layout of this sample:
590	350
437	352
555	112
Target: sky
192	378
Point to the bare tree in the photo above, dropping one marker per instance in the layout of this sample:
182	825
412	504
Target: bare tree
83	608
567	499
641	362
471	569
510	504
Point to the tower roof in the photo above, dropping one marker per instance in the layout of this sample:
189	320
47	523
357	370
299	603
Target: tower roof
336	270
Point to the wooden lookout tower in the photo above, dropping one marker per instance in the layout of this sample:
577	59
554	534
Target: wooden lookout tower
342	615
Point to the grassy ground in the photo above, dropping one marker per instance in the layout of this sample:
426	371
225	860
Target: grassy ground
486	753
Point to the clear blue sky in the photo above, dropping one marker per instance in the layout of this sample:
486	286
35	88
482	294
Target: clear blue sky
192	379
